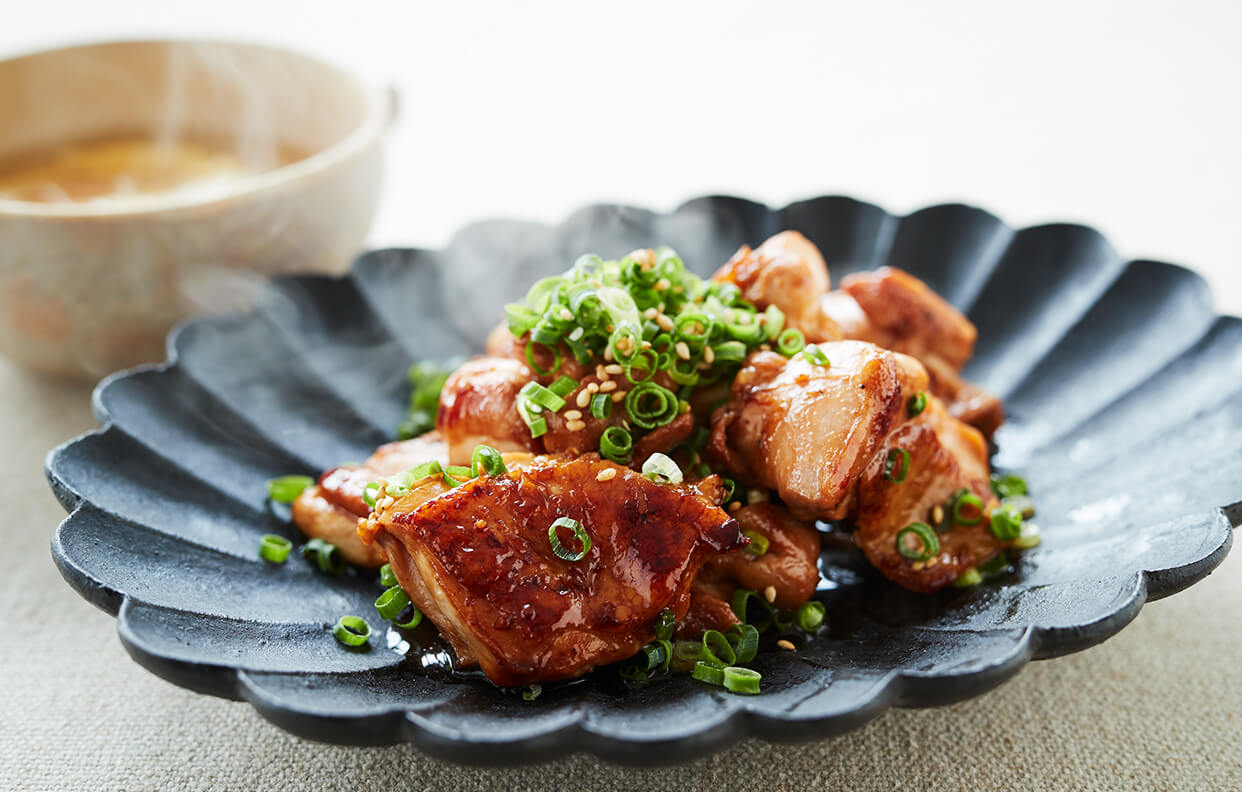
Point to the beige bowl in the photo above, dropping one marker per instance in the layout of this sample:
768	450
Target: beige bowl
87	288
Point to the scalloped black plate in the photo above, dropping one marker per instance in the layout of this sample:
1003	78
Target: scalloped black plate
1122	387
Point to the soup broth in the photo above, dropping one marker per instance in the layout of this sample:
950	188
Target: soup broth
116	169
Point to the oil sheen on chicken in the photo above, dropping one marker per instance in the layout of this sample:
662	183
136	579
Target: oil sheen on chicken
477	560
806	430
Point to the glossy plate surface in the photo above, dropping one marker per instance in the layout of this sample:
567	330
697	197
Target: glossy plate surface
1121	383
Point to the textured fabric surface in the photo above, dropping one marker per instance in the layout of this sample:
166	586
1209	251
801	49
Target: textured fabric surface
1157	707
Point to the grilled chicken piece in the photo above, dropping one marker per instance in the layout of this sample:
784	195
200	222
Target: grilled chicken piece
898	311
945	456
887	307
478	405
710	609
478	562
787	271
807	431
330	510
790	565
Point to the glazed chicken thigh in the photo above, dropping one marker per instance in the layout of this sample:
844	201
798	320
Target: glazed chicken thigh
479	561
887	307
806	430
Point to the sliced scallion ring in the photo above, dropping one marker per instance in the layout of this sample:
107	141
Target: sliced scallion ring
662	470
706	672
274	548
387	577
922	534
916	404
353	631
665	622
744	639
741	680
717	650
810	616
897	466
1006	522
486	461
790	342
580	534
325	555
392	602
968	509
615	444
286	489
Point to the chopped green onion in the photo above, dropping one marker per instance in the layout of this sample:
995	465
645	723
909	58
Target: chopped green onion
520	319
742	599
416	618
615	444
758	542
352	631
559	550
729	486
684	372
917	403
1008	484
717	650
664	625
420	472
810	616
1028	538
773	322
625	344
897	467
744	639
749	334
790	342
706	672
563	386
456	475
996	565
274	548
742	680
650	364
532	691
486	461
601	406
970	577
286	489
928	544
1006	522
729	352
685	655
370	492
535	367
537	394
816	355
783	619
392	602
387	577
662	470
693	328
968	509
325	555
650	405
1023	504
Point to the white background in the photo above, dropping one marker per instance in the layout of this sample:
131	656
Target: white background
1122	115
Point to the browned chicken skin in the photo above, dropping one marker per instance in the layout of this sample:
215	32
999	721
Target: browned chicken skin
330	509
478	562
945	455
807	431
887	307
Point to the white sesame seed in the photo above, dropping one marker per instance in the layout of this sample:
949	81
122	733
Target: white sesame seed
766	347
661	284
785	644
583	398
618	396
607	474
664	322
613	368
567	314
600	373
607	385
592	387
608	353
769	593
728	314
650	313
683	350
575	426
386	502
937	514
646	345
734	506
708	355
573	415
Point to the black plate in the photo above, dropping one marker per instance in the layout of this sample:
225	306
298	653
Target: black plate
1121	382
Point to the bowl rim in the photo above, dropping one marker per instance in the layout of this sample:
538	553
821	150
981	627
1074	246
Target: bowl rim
378	112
